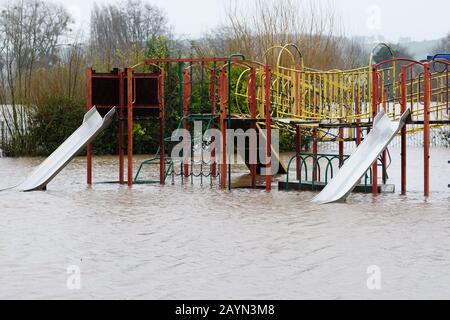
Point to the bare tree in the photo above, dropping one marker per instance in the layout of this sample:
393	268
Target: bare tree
119	32
29	33
444	45
253	27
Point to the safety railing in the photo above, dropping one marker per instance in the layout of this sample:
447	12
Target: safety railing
170	163
314	175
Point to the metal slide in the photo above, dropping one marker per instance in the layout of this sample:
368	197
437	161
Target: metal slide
93	124
282	168
363	158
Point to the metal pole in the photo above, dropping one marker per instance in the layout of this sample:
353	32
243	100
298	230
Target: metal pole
130	126
186	96
358	120
122	127
426	130
229	121
374	114
89	149
297	89
223	127
341	147
213	112
268	131
252	99
384	153
315	152
403	132
162	149
298	150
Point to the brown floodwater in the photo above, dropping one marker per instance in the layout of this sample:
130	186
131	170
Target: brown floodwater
198	242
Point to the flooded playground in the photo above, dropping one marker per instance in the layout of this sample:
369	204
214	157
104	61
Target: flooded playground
199	242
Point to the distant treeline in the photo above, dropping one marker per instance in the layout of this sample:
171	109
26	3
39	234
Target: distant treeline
43	61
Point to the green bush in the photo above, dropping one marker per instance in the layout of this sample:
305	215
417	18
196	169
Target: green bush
54	119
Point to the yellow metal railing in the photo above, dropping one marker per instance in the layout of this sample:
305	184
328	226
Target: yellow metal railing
337	96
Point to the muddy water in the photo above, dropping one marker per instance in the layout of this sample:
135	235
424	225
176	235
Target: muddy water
198	242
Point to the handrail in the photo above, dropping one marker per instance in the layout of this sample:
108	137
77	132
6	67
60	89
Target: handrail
317	168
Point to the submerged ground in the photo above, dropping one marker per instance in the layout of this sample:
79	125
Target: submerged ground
198	242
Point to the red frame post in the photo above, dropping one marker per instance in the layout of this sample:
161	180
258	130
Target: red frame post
162	149
403	132
223	96
374	114
268	130
186	98
122	76
384	153
252	102
130	125
89	149
426	129
213	97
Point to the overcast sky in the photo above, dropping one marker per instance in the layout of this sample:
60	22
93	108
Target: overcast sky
393	19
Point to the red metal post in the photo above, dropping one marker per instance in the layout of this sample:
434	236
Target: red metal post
130	125
374	114
269	130
223	96
252	102
426	129
121	137
186	98
89	149
403	133
162	149
384	153
213	98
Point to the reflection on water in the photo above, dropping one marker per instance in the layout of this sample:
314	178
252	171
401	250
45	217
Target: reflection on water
199	242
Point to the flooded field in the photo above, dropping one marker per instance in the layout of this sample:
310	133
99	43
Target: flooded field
198	242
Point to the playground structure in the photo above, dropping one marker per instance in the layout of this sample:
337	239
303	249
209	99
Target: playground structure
334	106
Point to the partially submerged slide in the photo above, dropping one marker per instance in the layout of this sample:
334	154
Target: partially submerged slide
93	124
282	168
365	156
